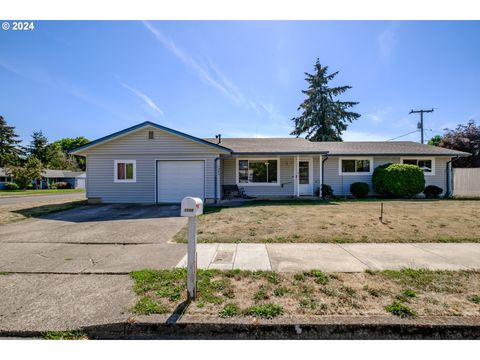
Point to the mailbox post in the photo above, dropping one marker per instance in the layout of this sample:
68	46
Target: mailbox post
191	208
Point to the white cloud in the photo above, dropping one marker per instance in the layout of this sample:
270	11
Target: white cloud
32	73
378	116
387	41
146	99
201	72
211	74
41	76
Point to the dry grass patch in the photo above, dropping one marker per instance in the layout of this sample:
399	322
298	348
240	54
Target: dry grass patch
15	212
341	221
266	294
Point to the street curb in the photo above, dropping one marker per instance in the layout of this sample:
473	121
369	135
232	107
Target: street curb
271	330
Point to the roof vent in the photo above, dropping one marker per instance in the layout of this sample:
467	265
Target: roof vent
219	138
150	135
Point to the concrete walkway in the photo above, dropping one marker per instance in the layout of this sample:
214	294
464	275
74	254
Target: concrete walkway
337	257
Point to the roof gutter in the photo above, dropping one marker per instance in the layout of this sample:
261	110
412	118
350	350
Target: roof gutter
289	153
399	154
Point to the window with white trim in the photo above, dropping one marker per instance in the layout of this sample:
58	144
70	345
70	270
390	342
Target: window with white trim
258	171
425	164
125	171
355	166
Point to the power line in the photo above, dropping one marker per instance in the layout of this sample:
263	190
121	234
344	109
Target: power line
398	137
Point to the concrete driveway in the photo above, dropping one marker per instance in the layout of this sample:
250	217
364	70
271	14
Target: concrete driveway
93	239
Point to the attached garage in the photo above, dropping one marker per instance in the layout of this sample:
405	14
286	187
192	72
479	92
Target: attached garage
179	178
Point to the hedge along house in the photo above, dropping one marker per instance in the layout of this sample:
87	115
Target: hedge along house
149	163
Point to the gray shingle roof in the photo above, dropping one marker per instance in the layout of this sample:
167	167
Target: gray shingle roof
62	173
269	145
333	148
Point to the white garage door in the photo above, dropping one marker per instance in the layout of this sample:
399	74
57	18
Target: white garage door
177	179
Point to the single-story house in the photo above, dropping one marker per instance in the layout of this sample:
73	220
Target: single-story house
150	163
4	178
77	179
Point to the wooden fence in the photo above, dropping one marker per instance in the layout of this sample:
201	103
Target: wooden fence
466	182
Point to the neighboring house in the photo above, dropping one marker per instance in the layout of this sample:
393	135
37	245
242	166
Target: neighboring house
149	163
77	179
4	178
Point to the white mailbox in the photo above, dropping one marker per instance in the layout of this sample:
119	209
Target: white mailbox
191	207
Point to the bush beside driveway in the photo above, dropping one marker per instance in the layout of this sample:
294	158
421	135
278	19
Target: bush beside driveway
302	221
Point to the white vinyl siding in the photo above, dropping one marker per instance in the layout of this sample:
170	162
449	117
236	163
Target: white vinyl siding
145	152
283	189
341	183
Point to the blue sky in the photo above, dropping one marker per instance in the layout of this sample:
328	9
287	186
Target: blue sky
240	79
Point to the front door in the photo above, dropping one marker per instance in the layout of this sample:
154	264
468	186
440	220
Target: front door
305	176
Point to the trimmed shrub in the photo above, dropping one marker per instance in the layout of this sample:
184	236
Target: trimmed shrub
52	186
327	190
11	186
359	189
432	191
63	185
398	180
378	178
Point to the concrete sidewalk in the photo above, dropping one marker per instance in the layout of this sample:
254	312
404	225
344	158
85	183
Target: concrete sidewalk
338	257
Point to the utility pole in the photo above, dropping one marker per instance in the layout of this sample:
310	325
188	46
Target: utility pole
420	124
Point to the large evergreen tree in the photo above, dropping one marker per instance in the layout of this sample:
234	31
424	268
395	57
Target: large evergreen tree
9	150
39	147
324	117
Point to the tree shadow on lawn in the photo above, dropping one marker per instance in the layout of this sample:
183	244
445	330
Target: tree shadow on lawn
43	210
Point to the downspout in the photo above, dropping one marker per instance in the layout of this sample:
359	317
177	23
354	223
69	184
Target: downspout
448	169
323	172
216	195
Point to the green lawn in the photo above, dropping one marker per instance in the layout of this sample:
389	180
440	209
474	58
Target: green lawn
38	192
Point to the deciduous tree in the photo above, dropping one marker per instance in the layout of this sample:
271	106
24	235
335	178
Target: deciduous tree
464	138
26	174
